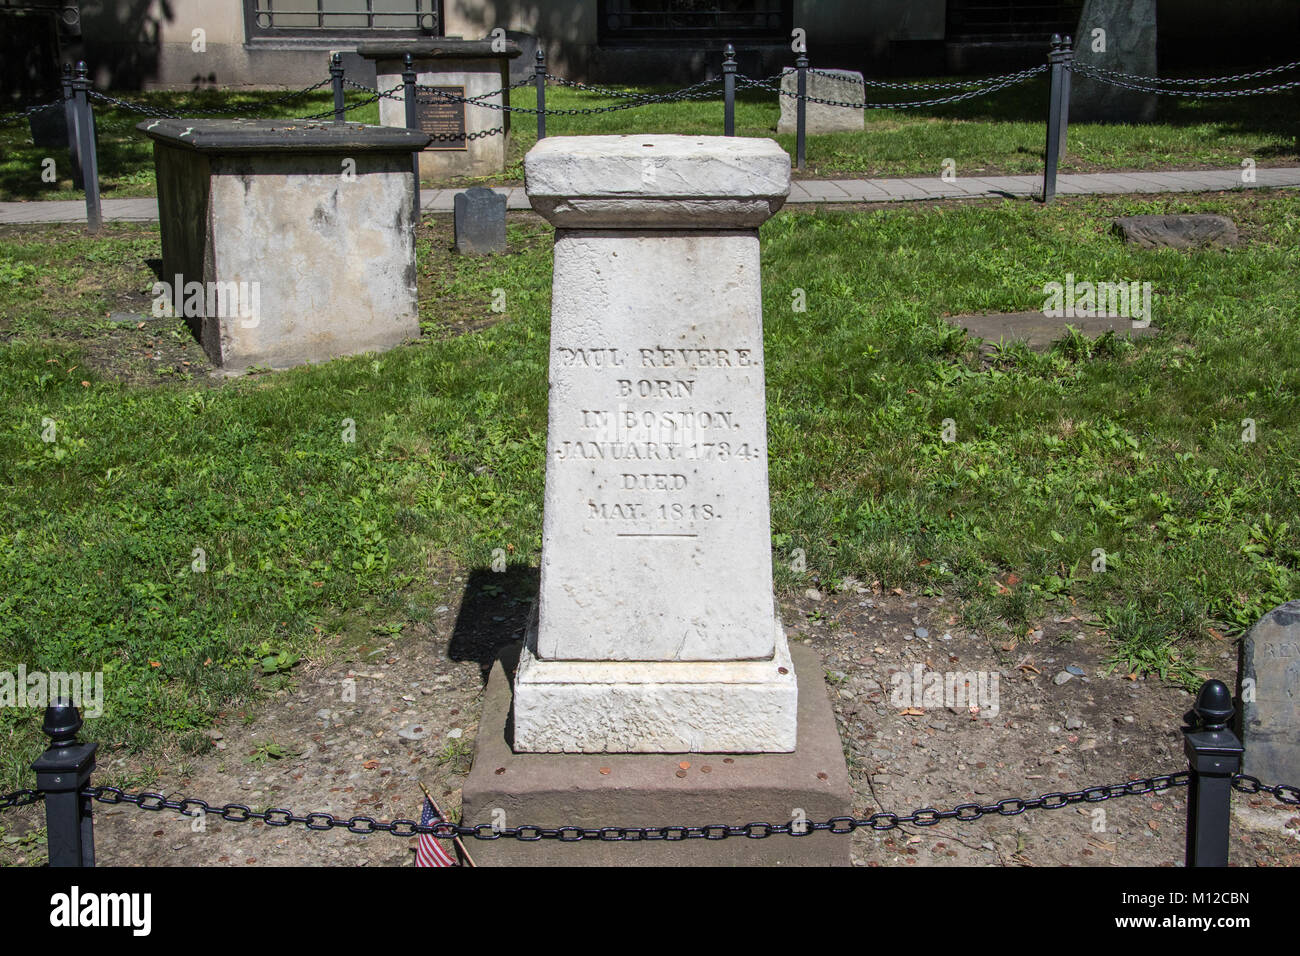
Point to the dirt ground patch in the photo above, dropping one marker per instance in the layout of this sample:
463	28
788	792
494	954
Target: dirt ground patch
416	712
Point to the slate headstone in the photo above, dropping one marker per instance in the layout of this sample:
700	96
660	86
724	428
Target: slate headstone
1270	691
480	221
1177	232
1130	47
49	127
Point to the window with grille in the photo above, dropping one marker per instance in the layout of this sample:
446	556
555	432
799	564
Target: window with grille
991	20
632	20
324	18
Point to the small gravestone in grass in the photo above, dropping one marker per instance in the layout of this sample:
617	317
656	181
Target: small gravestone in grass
834	86
480	221
1190	231
1089	308
1270	694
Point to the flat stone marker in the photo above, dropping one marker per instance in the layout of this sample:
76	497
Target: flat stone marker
311	222
480	221
1038	331
1187	231
1270	673
656	628
842	86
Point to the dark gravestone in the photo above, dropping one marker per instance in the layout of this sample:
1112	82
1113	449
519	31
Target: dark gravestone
50	126
1270	692
480	221
1130	47
1177	232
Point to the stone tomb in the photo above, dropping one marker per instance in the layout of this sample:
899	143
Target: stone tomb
656	630
298	236
1270	715
840	86
464	68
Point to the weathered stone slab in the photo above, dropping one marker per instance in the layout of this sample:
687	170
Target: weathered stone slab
842	86
656	553
1038	331
480	221
1186	231
1130	39
312	220
1270	691
638	789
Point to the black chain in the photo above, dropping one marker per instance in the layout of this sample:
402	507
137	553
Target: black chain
1195	81
1010	79
924	817
1147	87
885	84
20	116
232	110
20	798
1285	793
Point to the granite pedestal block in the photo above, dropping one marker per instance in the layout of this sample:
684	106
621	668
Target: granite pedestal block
653	790
307	226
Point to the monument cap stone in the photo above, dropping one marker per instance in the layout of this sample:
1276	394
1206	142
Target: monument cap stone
669	181
280	136
1270	718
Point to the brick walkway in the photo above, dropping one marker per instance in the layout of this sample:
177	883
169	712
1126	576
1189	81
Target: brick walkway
801	191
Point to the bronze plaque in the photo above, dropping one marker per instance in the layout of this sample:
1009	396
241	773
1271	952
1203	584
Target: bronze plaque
441	118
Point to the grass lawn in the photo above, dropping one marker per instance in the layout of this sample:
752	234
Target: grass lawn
1002	133
311	540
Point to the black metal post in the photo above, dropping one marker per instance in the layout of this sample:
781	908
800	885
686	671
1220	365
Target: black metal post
729	91
336	76
412	122
540	77
801	110
1058	109
63	771
1214	757
70	118
86	148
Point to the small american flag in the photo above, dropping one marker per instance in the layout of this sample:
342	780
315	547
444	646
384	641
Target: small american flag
428	850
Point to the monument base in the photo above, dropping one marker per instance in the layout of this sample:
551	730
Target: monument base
654	706
659	790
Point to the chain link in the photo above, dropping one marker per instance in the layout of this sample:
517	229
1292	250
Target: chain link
1203	94
22	115
885	84
1195	81
20	798
1010	79
145	110
529	833
1285	793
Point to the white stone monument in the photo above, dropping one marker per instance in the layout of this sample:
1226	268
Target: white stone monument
656	629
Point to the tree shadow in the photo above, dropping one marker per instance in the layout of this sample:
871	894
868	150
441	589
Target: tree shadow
493	614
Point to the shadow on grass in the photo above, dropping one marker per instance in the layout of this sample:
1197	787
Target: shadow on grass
493	614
